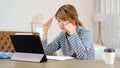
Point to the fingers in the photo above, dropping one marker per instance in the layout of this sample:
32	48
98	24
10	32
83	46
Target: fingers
46	24
50	20
65	23
70	28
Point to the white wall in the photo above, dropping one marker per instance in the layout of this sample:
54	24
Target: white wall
16	15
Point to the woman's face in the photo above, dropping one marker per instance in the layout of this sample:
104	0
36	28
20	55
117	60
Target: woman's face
62	24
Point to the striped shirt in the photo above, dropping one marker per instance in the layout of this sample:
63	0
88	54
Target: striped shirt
78	45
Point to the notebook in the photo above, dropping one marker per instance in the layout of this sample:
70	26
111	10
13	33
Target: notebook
28	48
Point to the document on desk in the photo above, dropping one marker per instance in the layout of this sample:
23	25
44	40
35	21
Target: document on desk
59	57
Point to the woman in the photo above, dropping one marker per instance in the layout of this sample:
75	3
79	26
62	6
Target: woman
74	40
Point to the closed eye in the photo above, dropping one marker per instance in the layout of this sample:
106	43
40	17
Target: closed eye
58	20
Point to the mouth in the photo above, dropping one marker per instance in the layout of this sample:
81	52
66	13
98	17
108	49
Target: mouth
62	27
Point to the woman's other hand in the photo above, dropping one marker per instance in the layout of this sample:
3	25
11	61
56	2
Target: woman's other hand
46	24
69	27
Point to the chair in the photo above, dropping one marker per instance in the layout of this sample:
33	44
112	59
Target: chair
5	41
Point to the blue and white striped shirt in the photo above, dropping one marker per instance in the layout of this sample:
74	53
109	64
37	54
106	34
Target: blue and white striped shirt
78	45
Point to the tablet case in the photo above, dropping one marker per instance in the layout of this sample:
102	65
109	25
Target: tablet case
28	48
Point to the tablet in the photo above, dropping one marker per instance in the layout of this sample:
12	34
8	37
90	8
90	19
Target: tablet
29	45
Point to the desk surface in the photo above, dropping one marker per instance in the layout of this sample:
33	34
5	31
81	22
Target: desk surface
73	63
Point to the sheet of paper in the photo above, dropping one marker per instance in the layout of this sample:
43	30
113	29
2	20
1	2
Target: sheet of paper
59	57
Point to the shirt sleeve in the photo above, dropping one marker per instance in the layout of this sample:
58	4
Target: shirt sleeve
52	47
82	45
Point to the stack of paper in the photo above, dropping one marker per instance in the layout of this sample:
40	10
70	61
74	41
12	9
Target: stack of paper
59	57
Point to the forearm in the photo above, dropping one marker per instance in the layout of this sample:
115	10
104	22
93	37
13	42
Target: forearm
77	46
52	46
82	49
45	26
44	34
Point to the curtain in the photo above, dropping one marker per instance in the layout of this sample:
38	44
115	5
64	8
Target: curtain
111	26
110	7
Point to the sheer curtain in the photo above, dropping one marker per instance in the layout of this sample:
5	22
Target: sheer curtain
110	7
111	27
